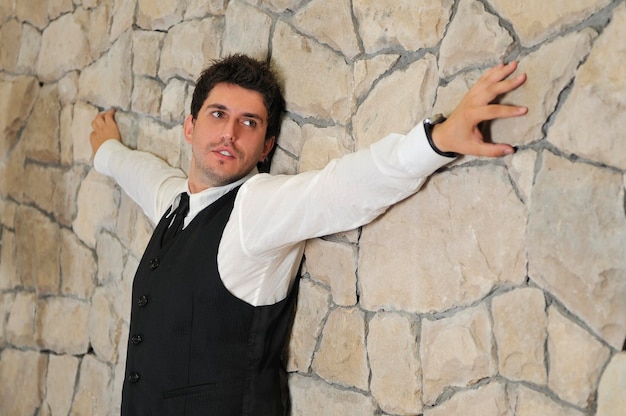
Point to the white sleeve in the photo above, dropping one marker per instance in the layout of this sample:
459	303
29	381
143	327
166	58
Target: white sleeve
275	212
148	180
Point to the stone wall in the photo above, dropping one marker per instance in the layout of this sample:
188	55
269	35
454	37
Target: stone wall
500	289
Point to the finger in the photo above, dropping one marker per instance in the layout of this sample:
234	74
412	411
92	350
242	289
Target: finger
499	72
506	85
483	149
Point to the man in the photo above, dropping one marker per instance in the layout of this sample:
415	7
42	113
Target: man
212	305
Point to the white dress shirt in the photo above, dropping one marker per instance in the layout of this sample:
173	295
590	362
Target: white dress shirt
274	215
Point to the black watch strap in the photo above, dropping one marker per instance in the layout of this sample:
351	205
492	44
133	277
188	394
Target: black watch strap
429	123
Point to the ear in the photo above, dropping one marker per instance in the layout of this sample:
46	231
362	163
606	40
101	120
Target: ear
268	144
188	128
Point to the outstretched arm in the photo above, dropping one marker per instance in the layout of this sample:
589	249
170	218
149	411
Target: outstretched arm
460	132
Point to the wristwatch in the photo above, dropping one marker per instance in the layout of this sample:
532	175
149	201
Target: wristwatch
429	123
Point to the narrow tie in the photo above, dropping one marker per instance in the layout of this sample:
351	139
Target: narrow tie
178	218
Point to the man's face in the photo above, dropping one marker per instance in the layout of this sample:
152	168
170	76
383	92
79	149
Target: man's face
228	136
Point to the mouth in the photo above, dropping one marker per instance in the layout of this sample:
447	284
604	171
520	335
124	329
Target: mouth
227	153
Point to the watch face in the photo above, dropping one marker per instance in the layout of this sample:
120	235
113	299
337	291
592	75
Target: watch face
436	119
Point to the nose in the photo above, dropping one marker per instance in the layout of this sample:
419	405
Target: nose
229	132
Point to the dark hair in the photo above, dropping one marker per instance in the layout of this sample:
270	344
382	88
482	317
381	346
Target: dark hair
248	73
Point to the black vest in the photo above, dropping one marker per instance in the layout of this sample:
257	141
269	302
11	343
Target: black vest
194	348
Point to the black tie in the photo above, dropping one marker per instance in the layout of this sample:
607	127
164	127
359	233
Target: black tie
178	218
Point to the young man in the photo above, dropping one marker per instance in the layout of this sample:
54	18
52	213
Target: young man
212	305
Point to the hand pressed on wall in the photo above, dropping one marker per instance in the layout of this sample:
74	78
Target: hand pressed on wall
103	128
460	133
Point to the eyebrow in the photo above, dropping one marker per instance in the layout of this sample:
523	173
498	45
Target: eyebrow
218	106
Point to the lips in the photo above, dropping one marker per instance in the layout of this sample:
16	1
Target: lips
226	152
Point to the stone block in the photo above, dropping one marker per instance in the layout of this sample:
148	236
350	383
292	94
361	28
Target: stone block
30	44
41	134
367	71
9	276
159	140
598	95
123	18
313	305
60	380
588	275
433	252
456	351
105	322
576	360
148	50
69	335
6	303
527	402
334	265
20	327
406	24
92	396
173	102
611	399
110	254
321	145
78	267
189	47
203	8
40	184
330	25
392	349
159	15
247	31
65	194
342	357
520	327
21	376
10	37
146	97
486	400
64	48
538	21
34	12
375	117
328	90
17	96
310	397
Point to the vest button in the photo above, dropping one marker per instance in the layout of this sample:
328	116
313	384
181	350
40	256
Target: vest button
133	377
142	301
154	263
136	339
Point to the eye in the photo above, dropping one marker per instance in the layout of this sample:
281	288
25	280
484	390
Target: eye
218	114
250	123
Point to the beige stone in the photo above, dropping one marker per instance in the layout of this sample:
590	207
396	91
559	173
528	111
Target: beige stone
37	257
10	38
283	163
291	137
20	327
433	252
611	399
80	130
334	265
17	96
324	90
6	303
64	196
146	97
520	326
536	20
487	400
65	336
97	203
92	395
397	103
247	30
7	213
78	267
393	353
159	140
549	71
408	24
110	254
39	185
332	26
68	88
489	43
7	9
21	376
133	227
41	133
30	43
34	12
60	379
597	99
96	24
203	8
527	402
521	167
12	172
58	7
147	50
189	47
64	48
173	102
456	351
321	145
310	397
576	360
107	82
123	17
588	275
313	305
159	15
341	357
367	71
9	277
105	323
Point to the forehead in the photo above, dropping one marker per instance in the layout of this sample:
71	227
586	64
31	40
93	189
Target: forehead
236	99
